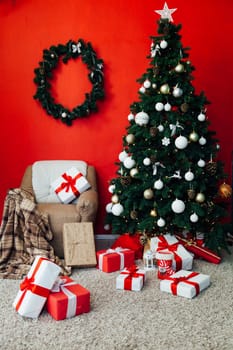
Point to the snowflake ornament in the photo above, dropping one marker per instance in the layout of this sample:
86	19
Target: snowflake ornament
166	12
166	141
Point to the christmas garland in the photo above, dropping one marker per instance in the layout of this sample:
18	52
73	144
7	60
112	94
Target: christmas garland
44	74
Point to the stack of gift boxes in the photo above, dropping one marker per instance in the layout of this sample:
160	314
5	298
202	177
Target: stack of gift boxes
63	298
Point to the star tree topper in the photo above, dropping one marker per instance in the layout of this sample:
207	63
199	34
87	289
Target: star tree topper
166	12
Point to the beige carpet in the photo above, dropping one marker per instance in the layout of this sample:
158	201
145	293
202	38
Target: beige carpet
144	320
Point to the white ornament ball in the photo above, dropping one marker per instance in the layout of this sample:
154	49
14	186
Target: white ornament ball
201	117
154	85
146	161
148	193
167	107
117	209
158	184
194	217
163	44
107	227
147	84
159	106
63	115
142	118
189	176
130	138
130	117
122	156
181	142
129	162
161	222
177	92
133	172
109	207
160	128
111	188
202	141
200	197
142	89
201	163
178	206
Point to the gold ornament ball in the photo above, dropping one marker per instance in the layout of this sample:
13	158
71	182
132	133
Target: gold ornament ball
115	198
193	136
200	197
225	190
164	89
153	213
148	193
133	172
130	138
179	68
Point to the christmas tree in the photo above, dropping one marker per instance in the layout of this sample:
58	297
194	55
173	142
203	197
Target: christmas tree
169	179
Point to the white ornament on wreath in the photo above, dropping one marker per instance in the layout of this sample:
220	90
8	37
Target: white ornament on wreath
181	142
111	188
122	156
160	128
202	141
178	206
130	117
166	141
177	92
142	89
158	184
129	162
117	209
109	207
163	44
146	161
130	138
201	163
161	222
194	217
159	106
147	84
142	118
189	176
167	107
201	117
133	172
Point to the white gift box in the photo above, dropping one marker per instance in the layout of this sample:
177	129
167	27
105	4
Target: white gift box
131	281
170	243
35	288
70	185
185	283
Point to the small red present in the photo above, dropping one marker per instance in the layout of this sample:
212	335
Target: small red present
70	185
67	299
193	246
111	260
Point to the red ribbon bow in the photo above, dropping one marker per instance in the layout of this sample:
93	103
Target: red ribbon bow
69	184
177	280
132	273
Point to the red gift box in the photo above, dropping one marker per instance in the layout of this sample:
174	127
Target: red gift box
68	299
111	260
203	252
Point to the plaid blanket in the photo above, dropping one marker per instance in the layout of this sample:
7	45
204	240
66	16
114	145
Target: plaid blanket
24	233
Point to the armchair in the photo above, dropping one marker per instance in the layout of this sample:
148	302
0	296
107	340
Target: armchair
37	179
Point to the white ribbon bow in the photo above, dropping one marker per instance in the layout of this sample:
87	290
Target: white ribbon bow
60	286
155	167
173	128
76	48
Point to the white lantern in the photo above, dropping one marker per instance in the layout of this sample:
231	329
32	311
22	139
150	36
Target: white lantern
148	259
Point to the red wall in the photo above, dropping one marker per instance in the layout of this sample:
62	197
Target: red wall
120	34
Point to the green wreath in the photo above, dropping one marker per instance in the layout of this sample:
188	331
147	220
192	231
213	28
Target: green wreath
44	74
